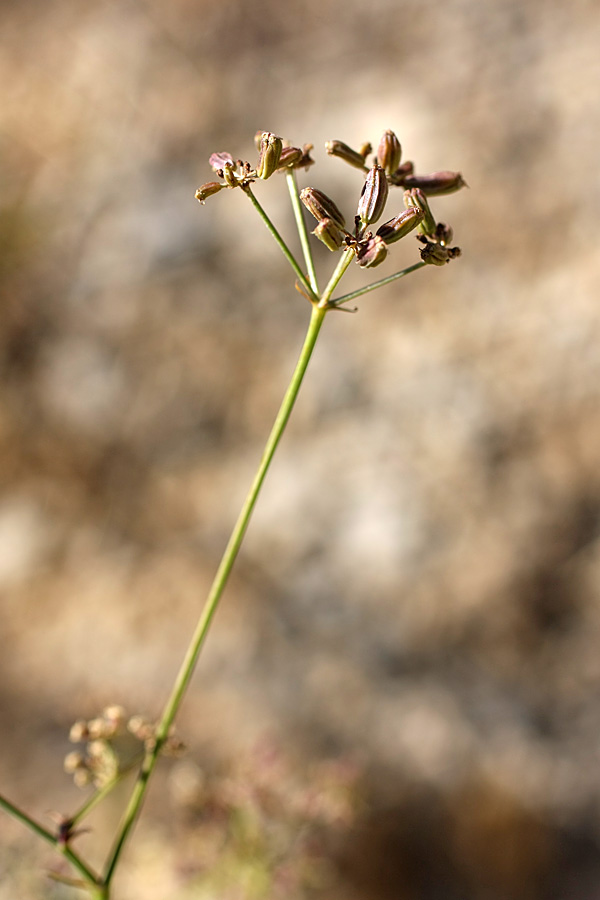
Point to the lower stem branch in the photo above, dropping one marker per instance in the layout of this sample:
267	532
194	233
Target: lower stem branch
187	667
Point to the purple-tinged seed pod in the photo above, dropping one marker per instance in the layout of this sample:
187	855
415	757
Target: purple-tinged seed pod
208	189
374	196
398	177
322	207
436	183
389	152
371	252
290	157
401	225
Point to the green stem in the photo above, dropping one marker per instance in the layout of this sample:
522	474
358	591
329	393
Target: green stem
187	667
102	792
50	838
376	284
343	263
292	184
282	244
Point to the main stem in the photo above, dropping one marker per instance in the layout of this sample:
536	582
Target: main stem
187	667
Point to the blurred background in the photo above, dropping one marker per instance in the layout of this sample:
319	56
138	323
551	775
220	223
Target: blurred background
417	599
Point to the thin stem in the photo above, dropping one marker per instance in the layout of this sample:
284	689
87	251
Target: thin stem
218	585
376	284
343	263
282	244
50	838
292	184
102	792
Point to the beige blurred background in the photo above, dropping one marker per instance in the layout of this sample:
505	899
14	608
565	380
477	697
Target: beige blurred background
419	586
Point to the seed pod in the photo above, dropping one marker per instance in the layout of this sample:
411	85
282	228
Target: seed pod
328	232
389	152
401	225
435	254
228	175
374	195
306	160
220	160
365	149
399	176
270	152
371	253
208	189
322	207
343	151
290	157
416	198
436	183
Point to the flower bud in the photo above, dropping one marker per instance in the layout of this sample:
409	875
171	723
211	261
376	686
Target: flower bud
72	762
328	232
371	253
436	183
374	195
79	732
270	152
338	148
320	205
416	198
401	225
389	152
220	160
207	190
290	158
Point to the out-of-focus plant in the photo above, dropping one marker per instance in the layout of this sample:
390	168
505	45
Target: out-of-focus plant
113	745
263	830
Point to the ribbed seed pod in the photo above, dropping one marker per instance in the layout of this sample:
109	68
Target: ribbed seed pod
208	189
389	152
270	152
343	151
401	225
436	183
416	198
374	196
328	232
290	157
322	207
371	253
